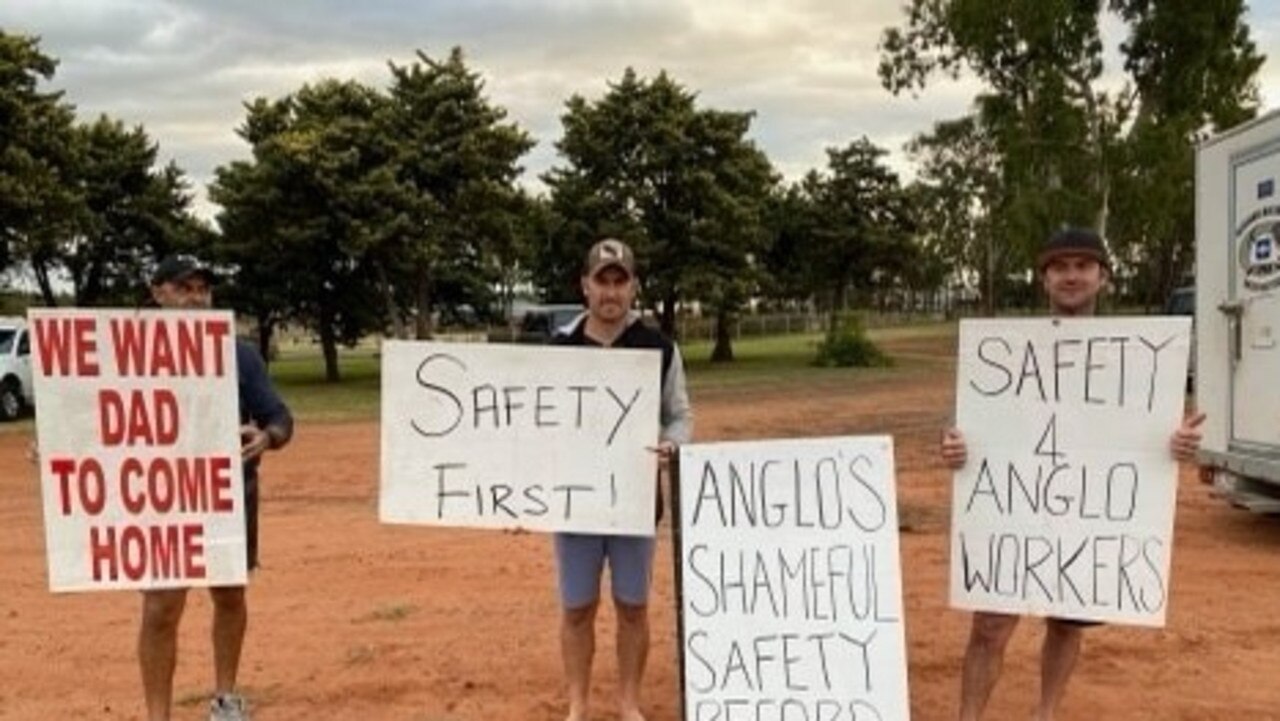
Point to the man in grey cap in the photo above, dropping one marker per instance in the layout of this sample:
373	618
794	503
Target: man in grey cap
1074	268
609	285
183	282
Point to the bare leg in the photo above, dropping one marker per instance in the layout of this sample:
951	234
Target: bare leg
230	618
1057	661
158	648
633	651
983	660
577	647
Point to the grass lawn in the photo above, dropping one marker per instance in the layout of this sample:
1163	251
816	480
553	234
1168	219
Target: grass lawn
771	362
774	362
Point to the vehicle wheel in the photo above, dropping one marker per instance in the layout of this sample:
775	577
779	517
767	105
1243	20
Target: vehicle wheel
10	401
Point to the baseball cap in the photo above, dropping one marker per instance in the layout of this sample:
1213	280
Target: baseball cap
610	253
1073	241
176	267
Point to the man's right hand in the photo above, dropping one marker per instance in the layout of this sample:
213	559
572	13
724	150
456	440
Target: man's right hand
953	449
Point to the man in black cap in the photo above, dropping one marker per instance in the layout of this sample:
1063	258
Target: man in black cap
1074	269
609	286
183	282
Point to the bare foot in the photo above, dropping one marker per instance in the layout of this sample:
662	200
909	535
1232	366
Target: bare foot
576	715
632	714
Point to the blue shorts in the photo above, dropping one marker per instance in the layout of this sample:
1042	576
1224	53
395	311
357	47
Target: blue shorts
580	560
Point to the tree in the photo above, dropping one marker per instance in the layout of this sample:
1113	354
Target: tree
960	192
1193	67
859	229
682	184
459	160
87	201
133	213
36	204
1061	143
307	217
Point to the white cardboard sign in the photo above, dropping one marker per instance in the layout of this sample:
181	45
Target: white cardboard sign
1065	506
137	416
544	438
791	583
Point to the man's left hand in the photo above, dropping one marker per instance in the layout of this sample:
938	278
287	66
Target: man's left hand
254	441
1186	440
665	451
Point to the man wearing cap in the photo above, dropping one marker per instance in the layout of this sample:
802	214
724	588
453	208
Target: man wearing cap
1073	267
609	285
182	282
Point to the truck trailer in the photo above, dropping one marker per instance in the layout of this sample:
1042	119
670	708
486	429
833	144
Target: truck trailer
1237	314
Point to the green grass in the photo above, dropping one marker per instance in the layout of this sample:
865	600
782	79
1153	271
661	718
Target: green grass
299	378
771	362
762	363
778	361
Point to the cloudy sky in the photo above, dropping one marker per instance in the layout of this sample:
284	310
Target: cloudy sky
807	67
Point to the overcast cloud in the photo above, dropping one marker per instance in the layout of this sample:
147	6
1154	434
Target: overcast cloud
807	67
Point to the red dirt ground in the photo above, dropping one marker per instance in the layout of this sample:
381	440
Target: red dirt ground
354	620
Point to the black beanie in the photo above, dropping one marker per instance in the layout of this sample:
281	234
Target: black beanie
1073	241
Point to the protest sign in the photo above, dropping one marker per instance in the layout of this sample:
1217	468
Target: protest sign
137	417
791	591
1065	506
543	438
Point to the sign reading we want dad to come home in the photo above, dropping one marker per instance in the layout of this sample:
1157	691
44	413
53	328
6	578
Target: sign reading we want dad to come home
138	426
1065	506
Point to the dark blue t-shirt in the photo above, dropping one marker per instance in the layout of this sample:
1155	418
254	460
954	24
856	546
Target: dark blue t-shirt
259	402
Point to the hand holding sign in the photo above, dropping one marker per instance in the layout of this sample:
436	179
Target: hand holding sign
1186	440
954	450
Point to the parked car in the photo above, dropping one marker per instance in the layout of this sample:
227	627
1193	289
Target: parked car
16	390
539	323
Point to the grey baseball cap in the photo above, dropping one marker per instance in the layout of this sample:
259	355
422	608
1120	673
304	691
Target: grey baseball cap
610	253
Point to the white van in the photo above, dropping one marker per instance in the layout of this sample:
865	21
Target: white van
16	390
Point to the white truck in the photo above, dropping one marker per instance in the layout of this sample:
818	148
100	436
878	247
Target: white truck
16	390
1238	311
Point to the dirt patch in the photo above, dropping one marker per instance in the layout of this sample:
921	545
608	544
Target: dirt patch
353	620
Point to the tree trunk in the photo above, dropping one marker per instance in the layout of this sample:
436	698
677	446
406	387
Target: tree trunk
989	280
723	351
839	296
329	344
266	329
42	279
395	315
422	320
667	321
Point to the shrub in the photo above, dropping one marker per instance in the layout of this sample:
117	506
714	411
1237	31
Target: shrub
847	346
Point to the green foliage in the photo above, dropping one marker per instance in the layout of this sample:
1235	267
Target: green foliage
849	228
362	209
682	184
1045	146
466	225
87	200
35	133
302	220
847	346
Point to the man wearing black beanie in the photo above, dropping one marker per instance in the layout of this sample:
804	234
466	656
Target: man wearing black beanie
1074	267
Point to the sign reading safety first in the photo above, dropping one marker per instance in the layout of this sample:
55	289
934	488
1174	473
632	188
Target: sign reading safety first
138	425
